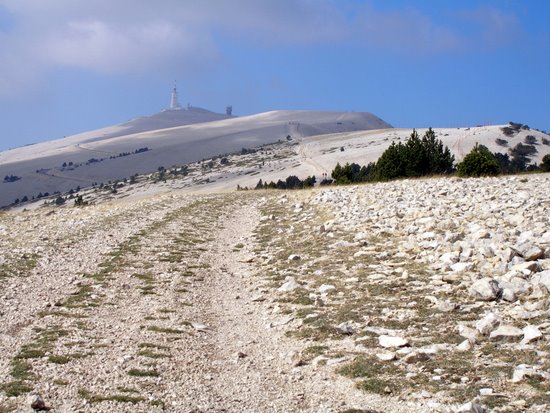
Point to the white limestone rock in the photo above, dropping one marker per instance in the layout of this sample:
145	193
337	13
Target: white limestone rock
466	345
449	258
347	328
200	327
471	407
508	295
485	289
386	356
524	371
506	332
290	285
392	341
462	266
325	288
527	267
531	333
542	280
488	323
468	333
529	252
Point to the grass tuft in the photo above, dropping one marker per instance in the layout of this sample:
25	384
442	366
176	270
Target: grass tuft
143	373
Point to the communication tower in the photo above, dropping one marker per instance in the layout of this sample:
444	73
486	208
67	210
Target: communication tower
174	103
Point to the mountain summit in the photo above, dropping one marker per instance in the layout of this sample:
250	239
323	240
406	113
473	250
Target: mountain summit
171	137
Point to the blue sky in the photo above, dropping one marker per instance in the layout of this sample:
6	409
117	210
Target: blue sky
69	66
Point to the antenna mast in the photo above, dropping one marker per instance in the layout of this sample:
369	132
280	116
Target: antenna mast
174	103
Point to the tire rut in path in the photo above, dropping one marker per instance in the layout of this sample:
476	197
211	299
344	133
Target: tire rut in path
241	369
247	365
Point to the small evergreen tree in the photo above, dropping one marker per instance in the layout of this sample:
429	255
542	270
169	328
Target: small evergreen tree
293	182
438	158
391	164
480	161
504	163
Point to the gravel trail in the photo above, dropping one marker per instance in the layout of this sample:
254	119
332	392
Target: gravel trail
152	306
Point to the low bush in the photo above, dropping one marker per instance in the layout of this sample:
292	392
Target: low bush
530	140
479	162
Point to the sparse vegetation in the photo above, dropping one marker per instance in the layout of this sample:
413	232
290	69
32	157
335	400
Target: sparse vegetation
11	178
143	373
119	398
291	182
530	140
167	330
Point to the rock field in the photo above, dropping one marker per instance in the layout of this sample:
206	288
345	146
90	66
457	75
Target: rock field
412	296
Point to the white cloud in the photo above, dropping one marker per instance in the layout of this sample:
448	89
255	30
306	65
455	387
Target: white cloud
128	36
103	47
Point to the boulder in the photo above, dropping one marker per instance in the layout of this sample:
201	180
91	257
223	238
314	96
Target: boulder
543	281
346	328
526	267
447	306
529	252
524	371
516	285
471	407
415	357
39	405
466	345
481	234
468	333
506	332
325	288
392	341
449	258
485	289
386	356
508	295
531	333
289	285
462	266
488	323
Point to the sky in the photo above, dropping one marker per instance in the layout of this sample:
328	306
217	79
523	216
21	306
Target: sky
69	66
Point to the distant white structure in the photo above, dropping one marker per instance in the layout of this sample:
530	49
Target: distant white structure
174	103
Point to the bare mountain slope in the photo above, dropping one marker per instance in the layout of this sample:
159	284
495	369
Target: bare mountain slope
96	156
168	119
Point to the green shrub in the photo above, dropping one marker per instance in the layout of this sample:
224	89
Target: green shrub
350	173
480	161
501	142
530	140
417	157
545	165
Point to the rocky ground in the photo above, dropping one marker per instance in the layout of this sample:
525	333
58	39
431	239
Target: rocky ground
413	296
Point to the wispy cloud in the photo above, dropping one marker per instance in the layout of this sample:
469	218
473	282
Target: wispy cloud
129	36
407	31
488	28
